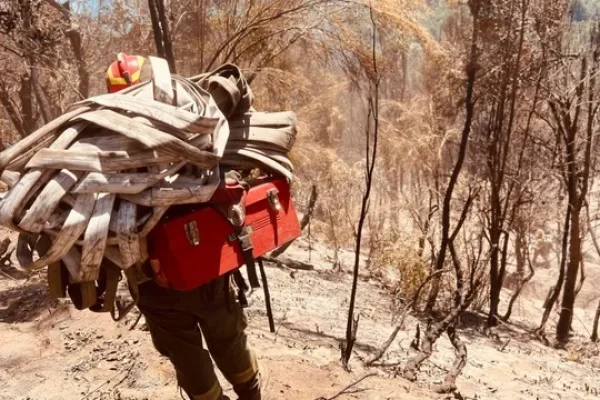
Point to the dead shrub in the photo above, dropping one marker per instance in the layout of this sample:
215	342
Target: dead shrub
401	260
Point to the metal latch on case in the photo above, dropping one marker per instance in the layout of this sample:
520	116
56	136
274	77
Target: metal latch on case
236	215
192	233
273	197
246	231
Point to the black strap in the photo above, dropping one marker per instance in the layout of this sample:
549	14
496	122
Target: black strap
246	246
108	283
242	235
267	295
121	310
242	287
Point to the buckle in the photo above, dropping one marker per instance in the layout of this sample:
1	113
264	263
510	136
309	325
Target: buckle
236	215
243	235
192	233
274	203
244	239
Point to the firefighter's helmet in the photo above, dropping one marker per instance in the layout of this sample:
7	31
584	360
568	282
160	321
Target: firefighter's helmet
124	72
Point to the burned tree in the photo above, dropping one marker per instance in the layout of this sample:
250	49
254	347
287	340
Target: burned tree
447	235
30	34
503	127
371	142
573	108
162	31
467	277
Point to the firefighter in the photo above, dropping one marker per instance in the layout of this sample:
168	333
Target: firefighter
177	320
542	248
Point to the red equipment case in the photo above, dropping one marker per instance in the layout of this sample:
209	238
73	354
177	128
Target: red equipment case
201	245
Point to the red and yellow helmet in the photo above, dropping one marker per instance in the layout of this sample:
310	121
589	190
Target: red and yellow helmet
124	72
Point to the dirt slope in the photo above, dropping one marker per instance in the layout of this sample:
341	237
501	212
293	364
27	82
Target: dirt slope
50	351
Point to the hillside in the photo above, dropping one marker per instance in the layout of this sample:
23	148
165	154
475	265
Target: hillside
454	138
50	351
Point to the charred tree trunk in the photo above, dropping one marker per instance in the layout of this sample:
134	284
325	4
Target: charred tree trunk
26	99
462	296
371	158
407	308
42	100
594	337
554	292
447	203
74	36
18	119
433	333
521	251
568	301
166	34
582	276
162	32
578	176
429	337
73	33
158	40
495	279
504	200
522	257
497	274
449	384
425	230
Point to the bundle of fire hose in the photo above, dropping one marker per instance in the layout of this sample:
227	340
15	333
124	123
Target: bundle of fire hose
86	188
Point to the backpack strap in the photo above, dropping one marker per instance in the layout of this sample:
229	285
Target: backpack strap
242	236
83	294
58	280
133	284
234	211
242	286
108	283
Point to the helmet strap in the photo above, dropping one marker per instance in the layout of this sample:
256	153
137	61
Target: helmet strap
127	76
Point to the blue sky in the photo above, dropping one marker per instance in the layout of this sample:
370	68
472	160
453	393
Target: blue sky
89	6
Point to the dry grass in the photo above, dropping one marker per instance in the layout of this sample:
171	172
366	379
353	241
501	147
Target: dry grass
401	256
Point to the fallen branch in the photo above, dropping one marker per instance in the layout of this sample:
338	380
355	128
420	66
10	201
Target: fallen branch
403	316
7	275
126	375
388	364
106	382
350	386
290	264
504	345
